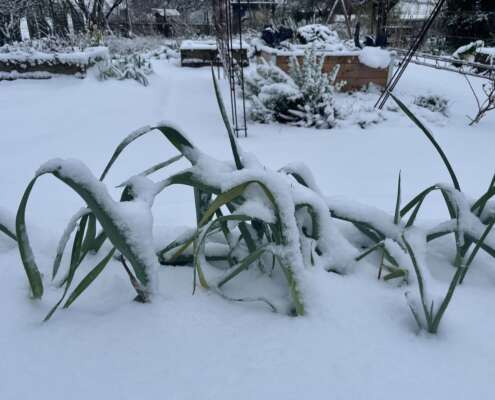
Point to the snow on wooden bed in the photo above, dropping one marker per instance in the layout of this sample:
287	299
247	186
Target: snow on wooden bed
200	53
358	68
40	65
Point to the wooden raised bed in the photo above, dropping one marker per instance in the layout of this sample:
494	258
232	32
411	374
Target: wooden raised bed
19	65
204	53
352	71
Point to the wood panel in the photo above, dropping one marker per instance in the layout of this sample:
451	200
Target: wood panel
204	57
49	67
351	70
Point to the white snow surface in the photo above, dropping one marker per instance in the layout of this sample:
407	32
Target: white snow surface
359	340
375	57
87	56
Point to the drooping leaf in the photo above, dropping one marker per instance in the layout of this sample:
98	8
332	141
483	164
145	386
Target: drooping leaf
230	131
89	279
27	256
431	138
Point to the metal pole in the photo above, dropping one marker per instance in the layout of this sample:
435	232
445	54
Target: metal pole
415	46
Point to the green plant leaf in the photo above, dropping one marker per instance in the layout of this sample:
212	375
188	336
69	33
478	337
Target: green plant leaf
27	256
431	138
477	247
244	264
65	239
120	148
230	131
112	229
397	203
7	231
89	279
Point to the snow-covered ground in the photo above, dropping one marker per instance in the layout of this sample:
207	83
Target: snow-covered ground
358	341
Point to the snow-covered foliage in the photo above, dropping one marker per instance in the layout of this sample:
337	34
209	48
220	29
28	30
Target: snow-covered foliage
305	97
252	217
83	50
434	103
133	66
116	57
54	44
317	90
153	46
86	57
131	58
273	94
317	33
318	36
261	228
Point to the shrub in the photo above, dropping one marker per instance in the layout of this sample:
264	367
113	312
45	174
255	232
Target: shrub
317	90
133	66
434	103
303	98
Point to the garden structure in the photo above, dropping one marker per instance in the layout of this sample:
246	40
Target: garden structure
39	65
352	70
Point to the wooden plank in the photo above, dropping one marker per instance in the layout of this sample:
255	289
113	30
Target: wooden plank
351	70
49	67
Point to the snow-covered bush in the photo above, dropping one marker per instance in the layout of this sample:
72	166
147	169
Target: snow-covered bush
273	94
131	58
52	44
358	108
317	33
133	66
434	103
303	98
317	90
150	46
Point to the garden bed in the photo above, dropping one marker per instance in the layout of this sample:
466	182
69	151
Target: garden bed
40	65
354	68
204	53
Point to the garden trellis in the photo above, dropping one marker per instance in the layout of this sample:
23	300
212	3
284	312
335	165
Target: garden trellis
407	59
228	30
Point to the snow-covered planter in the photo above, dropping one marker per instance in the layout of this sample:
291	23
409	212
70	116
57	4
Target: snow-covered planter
201	53
306	96
359	68
45	64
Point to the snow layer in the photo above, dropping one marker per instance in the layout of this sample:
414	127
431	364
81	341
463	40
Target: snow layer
359	340
88	56
375	57
209	44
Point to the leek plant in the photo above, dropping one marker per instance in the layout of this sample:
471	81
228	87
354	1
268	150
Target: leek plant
277	222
